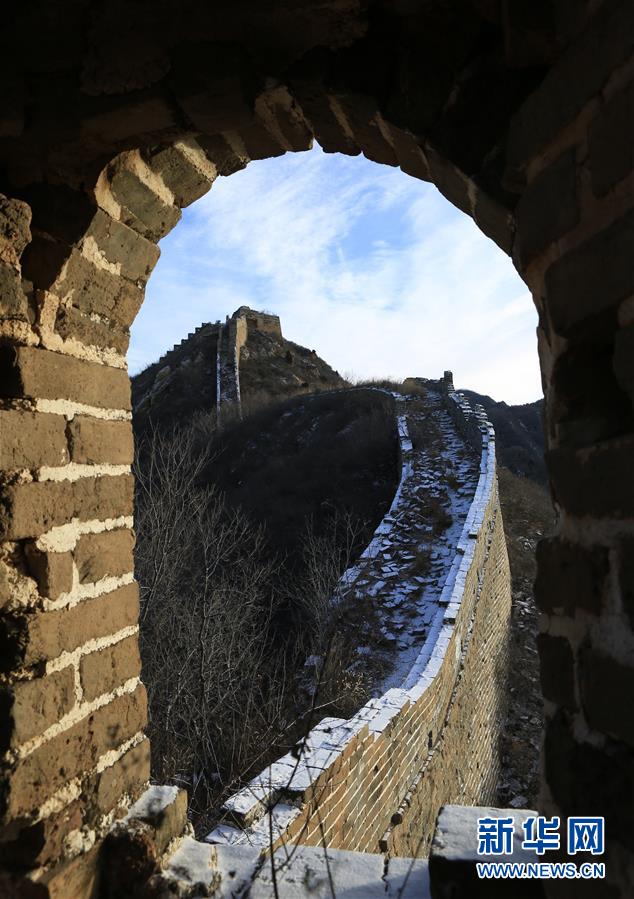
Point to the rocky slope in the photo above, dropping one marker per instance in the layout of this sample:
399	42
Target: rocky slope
520	438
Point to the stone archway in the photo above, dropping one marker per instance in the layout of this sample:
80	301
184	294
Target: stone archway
115	122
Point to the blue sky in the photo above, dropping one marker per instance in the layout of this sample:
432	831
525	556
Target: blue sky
373	269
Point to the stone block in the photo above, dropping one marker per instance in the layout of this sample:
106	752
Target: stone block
259	143
454	855
577	77
13	301
34	508
185	170
66	272
76	879
32	439
93	441
73	752
34	705
123	246
625	575
557	670
219	97
587	779
611	142
29	639
42	843
106	669
591	279
52	571
222	154
595	481
15	233
624	359
105	554
494	220
451	183
327	128
72	324
142	209
124	777
164	810
548	208
607	686
38	373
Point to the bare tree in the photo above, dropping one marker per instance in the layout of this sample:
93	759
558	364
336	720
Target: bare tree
215	693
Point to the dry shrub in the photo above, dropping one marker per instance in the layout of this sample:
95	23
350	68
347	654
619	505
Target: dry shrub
215	693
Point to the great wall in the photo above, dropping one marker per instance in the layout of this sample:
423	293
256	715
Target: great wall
378	780
114	118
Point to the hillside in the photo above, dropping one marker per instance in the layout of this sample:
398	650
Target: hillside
273	368
519	433
314	458
184	380
179	385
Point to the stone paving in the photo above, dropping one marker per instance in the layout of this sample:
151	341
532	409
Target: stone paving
405	566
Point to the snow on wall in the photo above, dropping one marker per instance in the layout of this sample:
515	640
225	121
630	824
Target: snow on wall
355	783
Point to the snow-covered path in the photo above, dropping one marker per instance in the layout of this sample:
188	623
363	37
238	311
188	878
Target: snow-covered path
407	563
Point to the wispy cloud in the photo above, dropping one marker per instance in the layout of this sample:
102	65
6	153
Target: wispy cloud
373	269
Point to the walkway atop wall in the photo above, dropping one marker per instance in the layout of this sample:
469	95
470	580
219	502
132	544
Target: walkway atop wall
350	782
405	566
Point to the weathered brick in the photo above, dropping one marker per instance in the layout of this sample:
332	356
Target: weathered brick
548	208
557	670
42	843
108	668
34	372
29	639
222	98
625	575
595	481
124	777
607	687
221	154
13	301
494	220
624	359
591	279
167	820
570	576
124	247
55	266
32	509
186	180
142	209
108	553
589	780
15	221
449	180
74	751
79	878
32	439
576	78
52	571
35	705
93	441
611	142
258	143
72	324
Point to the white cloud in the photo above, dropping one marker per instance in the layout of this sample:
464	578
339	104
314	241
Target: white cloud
373	269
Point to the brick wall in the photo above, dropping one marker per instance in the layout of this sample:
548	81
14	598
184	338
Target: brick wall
533	140
377	780
571	145
74	709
